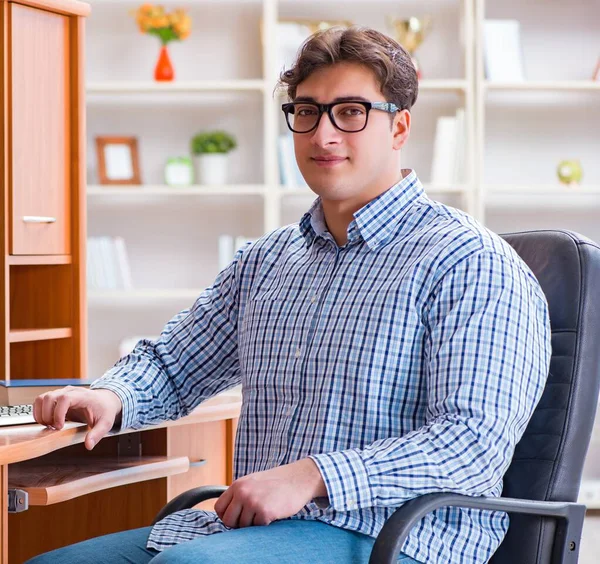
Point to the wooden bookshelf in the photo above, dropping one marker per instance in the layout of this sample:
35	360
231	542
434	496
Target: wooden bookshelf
42	204
27	335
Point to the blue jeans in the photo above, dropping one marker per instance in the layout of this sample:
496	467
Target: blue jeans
287	541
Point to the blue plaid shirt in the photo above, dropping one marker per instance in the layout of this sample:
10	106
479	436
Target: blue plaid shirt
405	362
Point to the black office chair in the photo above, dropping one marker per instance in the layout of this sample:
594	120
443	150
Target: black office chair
542	482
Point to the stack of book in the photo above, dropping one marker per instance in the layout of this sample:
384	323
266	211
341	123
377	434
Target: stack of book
228	246
108	264
24	392
291	177
448	163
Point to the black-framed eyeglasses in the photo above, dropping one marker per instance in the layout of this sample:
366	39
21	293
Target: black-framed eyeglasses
349	116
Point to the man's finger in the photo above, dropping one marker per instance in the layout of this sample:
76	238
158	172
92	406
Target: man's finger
60	411
37	409
247	517
48	410
232	515
223	502
102	426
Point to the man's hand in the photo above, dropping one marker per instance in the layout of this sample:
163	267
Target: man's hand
98	408
263	497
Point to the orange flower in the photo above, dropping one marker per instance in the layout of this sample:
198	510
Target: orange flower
159	21
151	18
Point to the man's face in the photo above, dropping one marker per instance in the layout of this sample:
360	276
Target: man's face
368	160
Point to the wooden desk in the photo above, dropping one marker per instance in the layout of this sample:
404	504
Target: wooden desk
82	494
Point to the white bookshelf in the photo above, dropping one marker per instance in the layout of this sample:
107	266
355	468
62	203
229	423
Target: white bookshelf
116	87
550	85
517	132
225	75
551	115
448	85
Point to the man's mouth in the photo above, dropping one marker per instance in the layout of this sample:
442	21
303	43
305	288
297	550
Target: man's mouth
328	161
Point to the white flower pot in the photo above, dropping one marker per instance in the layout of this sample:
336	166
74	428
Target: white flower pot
211	168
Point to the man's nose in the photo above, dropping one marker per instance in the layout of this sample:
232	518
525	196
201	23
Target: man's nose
325	132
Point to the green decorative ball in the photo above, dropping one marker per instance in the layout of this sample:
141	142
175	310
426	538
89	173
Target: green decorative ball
569	172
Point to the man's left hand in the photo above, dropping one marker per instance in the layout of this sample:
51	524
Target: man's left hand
263	497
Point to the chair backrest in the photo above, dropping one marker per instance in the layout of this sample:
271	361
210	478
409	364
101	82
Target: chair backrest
548	460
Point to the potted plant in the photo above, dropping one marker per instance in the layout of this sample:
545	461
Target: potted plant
210	150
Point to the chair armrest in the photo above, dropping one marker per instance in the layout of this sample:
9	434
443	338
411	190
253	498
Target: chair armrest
188	499
392	536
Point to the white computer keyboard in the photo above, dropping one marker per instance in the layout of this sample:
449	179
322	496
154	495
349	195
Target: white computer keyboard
16	415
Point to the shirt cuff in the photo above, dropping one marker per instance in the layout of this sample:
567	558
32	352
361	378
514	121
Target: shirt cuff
125	395
346	479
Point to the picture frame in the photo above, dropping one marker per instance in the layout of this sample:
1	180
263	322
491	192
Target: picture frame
118	160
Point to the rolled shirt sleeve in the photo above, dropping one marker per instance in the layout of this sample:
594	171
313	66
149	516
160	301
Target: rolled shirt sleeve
195	358
487	348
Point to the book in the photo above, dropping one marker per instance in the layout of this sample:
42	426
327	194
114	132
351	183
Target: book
444	151
125	282
291	177
24	392
108	264
448	166
226	251
286	161
229	246
460	151
502	50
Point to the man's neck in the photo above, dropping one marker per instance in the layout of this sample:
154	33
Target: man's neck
339	214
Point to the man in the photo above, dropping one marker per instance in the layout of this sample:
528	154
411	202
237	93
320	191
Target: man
388	346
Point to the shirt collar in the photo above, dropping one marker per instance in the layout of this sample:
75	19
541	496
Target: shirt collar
375	222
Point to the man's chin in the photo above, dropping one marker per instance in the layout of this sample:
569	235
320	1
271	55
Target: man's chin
331	191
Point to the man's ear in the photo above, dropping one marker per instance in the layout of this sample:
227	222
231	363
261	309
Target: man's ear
400	129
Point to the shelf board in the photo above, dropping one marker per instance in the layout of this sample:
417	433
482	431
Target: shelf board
443	84
542	196
190	86
39	259
25	335
55	479
120	298
142	191
568	85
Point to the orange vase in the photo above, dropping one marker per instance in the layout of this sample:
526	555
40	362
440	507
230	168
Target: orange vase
164	68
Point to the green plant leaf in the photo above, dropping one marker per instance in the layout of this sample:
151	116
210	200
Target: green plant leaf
213	142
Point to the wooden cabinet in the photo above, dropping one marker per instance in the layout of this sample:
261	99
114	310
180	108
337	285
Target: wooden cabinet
42	178
39	136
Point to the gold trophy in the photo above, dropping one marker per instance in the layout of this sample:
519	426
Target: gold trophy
410	34
318	25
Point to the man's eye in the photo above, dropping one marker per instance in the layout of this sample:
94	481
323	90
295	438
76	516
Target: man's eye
353	111
306	111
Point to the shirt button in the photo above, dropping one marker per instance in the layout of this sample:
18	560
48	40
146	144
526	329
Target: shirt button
313	299
298	352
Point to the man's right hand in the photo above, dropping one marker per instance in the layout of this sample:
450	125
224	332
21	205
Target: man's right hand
98	408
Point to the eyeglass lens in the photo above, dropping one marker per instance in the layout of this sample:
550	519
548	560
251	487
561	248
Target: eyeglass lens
348	116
